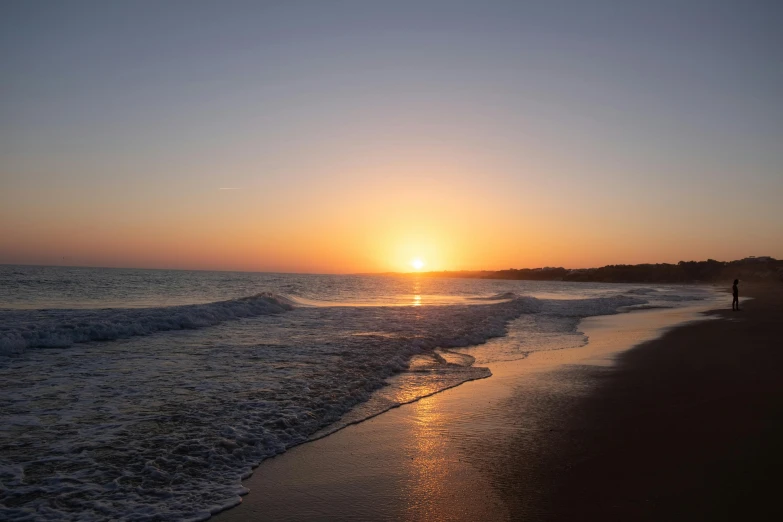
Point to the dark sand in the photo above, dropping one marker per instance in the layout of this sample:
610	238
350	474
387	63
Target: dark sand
687	426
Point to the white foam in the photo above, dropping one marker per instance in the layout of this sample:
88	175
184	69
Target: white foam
502	296
58	328
165	426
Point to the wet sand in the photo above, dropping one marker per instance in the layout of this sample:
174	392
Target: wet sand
657	432
688	427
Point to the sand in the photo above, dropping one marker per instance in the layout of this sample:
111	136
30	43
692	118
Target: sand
681	427
688	427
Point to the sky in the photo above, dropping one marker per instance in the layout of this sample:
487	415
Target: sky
357	136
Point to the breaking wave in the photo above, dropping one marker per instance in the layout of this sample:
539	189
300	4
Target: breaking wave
56	328
166	427
503	296
588	307
641	291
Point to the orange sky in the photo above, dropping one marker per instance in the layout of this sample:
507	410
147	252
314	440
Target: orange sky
363	224
357	137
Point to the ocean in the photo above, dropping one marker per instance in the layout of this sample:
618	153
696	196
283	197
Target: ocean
150	394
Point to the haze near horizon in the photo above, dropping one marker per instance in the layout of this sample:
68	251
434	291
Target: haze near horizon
370	137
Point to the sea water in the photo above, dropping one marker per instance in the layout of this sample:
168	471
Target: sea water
150	394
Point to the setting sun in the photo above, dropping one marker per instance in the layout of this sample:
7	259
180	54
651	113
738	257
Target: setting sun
417	264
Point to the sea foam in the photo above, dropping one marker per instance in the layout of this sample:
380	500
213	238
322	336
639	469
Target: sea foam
165	426
58	328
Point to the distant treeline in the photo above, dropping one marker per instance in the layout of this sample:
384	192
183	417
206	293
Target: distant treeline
748	269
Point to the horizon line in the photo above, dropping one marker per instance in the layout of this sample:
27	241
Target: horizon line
411	272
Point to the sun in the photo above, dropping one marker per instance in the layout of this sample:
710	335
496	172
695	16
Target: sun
417	264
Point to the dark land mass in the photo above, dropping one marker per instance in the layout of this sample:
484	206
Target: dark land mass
686	427
748	269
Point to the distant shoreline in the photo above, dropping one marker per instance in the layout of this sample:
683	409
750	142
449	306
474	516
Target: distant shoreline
710	271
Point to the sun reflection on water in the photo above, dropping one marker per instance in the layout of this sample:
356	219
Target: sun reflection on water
428	461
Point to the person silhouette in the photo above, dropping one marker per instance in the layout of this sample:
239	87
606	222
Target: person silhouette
735	291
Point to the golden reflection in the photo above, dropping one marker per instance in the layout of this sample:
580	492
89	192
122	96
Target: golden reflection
428	461
416	291
414	383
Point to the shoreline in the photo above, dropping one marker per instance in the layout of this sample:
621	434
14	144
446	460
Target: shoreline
686	428
368	470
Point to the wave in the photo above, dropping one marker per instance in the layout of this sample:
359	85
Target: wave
646	306
497	297
641	291
22	329
186	430
172	438
589	307
680	298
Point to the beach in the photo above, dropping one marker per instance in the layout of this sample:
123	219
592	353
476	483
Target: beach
163	408
687	428
645	422
397	261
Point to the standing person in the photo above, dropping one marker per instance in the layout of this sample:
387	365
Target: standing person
735	291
